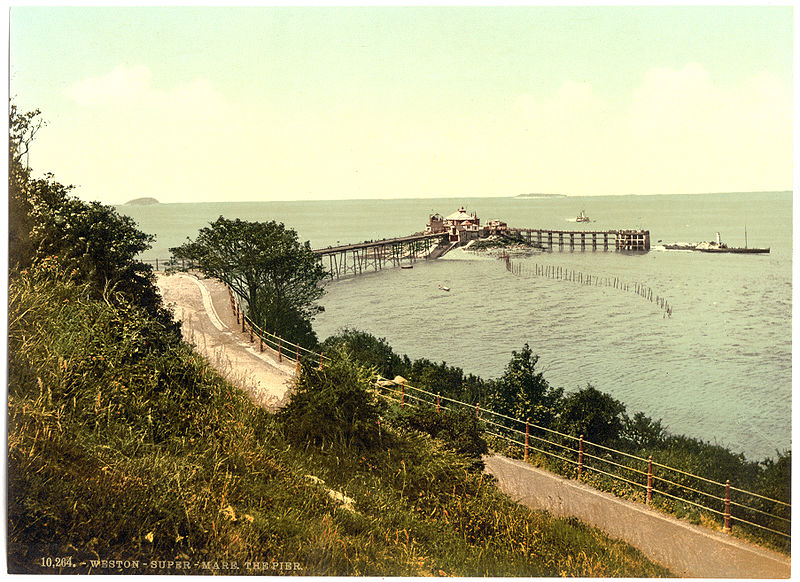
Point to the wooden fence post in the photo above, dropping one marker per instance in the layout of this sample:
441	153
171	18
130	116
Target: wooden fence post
726	527
438	402
527	432
251	334
280	359
156	265
261	341
580	457
322	354
477	410
243	330
650	479
297	361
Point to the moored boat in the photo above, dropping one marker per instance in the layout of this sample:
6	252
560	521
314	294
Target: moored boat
715	246
582	217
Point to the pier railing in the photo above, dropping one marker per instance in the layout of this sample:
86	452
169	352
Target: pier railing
702	500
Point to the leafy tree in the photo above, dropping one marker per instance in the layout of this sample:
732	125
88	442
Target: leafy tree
21	129
775	480
593	414
266	265
642	432
523	392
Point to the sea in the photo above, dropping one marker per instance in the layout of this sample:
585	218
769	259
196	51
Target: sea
718	369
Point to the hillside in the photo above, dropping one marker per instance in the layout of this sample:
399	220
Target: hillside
126	446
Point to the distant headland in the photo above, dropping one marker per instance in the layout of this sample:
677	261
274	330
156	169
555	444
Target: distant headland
142	202
540	196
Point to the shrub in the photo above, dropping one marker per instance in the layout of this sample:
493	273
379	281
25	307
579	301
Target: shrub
333	404
459	430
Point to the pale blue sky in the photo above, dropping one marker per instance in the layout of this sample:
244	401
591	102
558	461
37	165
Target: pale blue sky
281	103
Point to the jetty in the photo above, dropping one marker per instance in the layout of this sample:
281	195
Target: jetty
442	234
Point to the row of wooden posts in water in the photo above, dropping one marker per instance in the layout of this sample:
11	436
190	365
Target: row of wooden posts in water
563	274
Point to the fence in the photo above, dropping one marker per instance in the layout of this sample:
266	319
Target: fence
561	273
284	349
575	456
641	478
169	264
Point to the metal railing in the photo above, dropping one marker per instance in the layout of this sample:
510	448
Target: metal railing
585	460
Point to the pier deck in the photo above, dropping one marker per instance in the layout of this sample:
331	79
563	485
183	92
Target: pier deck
356	258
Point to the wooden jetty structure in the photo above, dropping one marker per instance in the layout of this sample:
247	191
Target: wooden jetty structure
618	240
357	258
459	228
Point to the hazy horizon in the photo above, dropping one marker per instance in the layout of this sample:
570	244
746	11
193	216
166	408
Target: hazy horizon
542	194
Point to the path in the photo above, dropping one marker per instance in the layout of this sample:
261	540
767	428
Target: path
207	322
686	549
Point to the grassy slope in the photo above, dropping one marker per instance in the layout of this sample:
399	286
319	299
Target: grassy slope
126	445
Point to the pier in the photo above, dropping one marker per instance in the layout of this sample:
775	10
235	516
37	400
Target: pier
354	259
459	228
618	240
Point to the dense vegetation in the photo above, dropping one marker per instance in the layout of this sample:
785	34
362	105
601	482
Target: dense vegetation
523	392
128	453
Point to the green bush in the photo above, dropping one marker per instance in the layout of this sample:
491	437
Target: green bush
458	430
333	404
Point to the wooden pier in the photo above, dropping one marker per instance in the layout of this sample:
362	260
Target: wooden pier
357	258
618	240
354	259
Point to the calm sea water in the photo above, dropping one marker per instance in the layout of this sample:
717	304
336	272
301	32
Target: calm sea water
718	369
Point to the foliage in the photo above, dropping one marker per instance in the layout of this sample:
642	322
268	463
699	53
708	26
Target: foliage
593	414
369	351
90	240
123	444
458	430
642	432
266	265
522	391
333	404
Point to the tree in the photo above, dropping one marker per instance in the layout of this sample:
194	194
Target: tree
523	392
91	240
21	129
369	350
593	414
265	264
642	432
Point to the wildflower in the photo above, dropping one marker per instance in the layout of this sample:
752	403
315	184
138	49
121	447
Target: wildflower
149	537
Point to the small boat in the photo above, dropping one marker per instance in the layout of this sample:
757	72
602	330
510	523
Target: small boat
443	288
582	217
406	266
715	246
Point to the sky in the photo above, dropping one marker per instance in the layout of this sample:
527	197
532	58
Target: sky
310	103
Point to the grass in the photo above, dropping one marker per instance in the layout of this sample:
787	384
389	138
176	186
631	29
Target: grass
124	444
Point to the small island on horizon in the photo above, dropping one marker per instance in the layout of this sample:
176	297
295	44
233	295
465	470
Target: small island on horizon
146	201
535	195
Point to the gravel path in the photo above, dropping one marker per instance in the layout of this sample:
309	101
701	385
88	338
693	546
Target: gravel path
203	307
